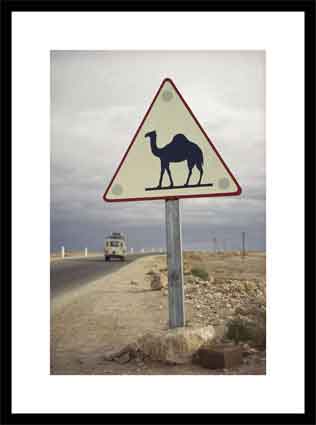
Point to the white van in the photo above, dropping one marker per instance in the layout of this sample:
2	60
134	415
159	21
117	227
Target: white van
115	246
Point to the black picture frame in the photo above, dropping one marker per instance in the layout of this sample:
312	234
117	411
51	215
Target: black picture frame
306	6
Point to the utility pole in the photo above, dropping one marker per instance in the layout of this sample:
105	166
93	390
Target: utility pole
224	245
243	244
215	245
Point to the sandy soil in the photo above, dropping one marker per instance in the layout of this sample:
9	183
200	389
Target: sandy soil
112	312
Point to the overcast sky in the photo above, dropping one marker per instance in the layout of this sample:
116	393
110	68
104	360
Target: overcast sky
98	99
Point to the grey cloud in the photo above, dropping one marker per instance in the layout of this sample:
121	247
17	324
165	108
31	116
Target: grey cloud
97	102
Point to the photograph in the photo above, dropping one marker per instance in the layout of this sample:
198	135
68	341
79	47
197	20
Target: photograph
158	212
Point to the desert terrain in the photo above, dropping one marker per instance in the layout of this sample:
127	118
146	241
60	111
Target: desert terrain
223	290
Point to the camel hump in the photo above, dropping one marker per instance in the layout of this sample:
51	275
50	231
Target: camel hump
178	138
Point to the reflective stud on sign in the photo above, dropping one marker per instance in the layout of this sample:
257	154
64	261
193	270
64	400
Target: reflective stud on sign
223	183
167	95
170	156
117	189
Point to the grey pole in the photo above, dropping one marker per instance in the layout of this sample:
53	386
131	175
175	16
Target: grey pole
243	244
175	264
215	245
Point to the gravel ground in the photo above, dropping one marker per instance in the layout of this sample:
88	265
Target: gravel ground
118	309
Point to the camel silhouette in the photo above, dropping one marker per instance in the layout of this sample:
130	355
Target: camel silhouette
178	150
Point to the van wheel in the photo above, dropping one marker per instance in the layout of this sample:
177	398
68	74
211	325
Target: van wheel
106	258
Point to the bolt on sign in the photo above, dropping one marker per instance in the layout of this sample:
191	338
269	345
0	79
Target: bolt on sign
170	156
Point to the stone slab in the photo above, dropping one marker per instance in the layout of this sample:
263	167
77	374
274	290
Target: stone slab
219	356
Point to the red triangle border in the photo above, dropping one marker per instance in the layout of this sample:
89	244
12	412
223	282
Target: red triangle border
238	192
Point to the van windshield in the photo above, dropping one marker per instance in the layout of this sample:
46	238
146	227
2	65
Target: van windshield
115	243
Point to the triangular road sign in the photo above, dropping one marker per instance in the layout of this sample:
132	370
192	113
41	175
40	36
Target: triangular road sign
170	156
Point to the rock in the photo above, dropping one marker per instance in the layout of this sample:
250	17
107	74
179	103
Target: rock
250	286
175	345
158	281
221	356
113	354
134	282
190	288
211	279
125	358
189	280
240	310
247	351
140	362
219	281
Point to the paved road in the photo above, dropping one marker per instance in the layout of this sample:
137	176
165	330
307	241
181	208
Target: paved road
70	273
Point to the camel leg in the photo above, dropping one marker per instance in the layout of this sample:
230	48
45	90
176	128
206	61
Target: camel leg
189	175
201	174
169	174
190	165
162	171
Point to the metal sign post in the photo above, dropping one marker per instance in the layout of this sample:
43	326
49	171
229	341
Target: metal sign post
175	264
169	133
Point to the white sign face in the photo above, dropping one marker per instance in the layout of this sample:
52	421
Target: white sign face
170	156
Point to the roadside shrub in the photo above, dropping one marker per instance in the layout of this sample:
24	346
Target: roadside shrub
245	330
200	273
